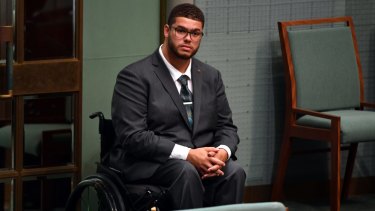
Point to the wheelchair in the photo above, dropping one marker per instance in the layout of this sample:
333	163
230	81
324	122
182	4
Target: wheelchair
105	190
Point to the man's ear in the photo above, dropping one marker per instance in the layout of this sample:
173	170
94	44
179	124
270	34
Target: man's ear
166	30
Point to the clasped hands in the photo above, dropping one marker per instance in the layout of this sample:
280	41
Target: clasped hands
209	161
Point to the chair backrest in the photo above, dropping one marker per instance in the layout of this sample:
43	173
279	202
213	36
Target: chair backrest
322	63
107	140
107	136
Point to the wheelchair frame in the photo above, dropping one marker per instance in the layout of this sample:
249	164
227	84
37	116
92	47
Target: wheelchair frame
113	193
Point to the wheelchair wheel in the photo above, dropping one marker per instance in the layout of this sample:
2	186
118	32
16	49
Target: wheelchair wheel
95	192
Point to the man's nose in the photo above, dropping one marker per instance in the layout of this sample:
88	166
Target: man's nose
188	37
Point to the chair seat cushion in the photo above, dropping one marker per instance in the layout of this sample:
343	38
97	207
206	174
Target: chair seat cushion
356	125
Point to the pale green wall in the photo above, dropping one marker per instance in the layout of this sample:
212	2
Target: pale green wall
115	33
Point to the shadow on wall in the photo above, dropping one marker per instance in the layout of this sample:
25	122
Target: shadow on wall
269	100
278	85
301	167
366	168
363	17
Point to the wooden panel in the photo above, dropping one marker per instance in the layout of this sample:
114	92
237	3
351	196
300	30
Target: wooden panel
56	147
6	33
50	170
5	111
48	29
47	109
47	77
318	189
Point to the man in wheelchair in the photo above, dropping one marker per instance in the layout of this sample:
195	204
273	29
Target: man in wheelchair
173	122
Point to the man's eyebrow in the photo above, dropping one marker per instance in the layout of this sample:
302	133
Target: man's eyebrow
182	27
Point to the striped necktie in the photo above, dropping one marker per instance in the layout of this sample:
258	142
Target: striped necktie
187	97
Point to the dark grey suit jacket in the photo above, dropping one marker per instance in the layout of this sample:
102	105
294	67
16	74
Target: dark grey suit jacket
149	116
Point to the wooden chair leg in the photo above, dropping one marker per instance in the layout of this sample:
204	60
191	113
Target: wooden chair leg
335	175
278	184
349	170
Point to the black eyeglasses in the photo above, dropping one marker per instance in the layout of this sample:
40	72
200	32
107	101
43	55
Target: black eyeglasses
182	33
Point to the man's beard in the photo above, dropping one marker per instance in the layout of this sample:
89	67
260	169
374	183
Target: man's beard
174	50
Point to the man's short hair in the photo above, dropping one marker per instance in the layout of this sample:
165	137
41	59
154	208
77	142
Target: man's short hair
188	11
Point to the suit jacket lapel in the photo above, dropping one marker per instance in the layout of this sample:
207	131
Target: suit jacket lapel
197	92
166	79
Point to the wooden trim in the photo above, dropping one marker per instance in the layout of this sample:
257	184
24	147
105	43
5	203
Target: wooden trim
163	19
77	151
18	130
349	170
366	104
258	193
49	170
335	190
6	37
20	37
288	70
79	30
7	199
358	60
310	133
47	76
6	33
6	174
18	189
316	190
344	19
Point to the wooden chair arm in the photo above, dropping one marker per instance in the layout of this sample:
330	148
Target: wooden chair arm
315	113
317	133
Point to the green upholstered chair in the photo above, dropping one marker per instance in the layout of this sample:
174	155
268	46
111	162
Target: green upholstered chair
324	95
263	206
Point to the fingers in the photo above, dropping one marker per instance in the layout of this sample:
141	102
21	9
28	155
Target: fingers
211	154
213	171
214	168
216	161
213	174
211	149
213	165
218	153
205	176
206	161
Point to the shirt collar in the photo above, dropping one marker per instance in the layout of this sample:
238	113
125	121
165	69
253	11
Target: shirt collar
172	70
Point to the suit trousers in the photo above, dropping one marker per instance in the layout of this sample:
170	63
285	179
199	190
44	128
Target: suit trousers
186	189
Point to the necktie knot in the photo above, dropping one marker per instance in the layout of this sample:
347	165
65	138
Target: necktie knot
183	80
